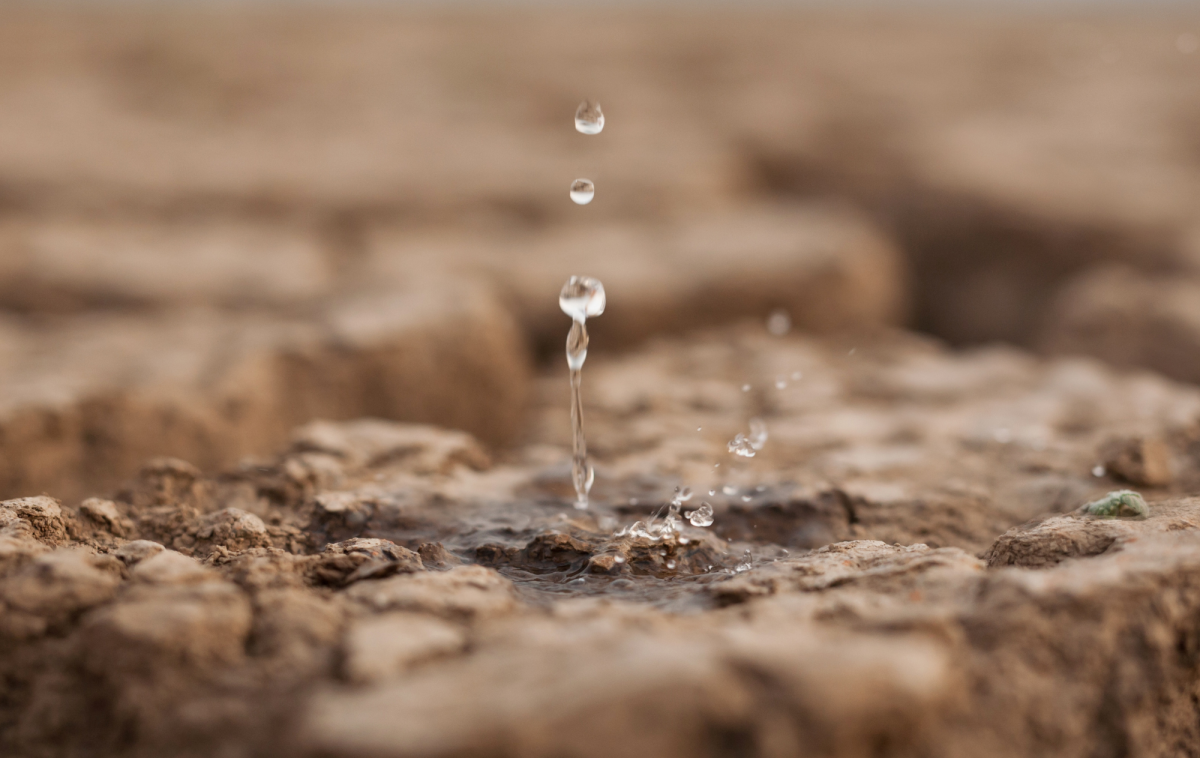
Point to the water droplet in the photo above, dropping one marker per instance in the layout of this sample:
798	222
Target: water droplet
699	428
779	322
1098	471
729	489
582	191
758	433
618	559
712	492
633	501
741	446
746	563
577	344
745	498
745	388
702	516
579	580
684	495
582	297
797	376
670	564
589	119
780	382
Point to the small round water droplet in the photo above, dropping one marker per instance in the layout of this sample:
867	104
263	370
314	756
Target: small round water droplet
746	563
745	388
582	297
699	428
1098	471
729	489
589	119
618	559
670	564
712	492
582	191
745	498
780	383
702	516
779	322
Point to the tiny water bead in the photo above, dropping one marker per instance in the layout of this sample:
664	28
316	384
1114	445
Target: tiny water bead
582	191
581	297
746	563
779	322
746	446
589	119
780	382
702	516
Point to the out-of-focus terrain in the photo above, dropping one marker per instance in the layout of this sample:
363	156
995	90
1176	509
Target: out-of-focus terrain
218	223
283	412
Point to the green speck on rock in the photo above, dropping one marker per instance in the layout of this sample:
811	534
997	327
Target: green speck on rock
1125	504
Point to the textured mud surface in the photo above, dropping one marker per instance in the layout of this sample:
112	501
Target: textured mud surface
920	579
284	453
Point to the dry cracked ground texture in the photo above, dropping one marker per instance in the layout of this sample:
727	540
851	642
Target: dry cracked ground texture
920	579
218	227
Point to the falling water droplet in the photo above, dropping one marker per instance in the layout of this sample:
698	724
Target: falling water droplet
729	489
581	296
702	516
670	564
589	119
582	191
779	322
758	433
712	492
746	498
741	446
1098	471
780	382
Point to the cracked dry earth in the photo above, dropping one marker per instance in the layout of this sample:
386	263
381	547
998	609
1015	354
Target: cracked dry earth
921	582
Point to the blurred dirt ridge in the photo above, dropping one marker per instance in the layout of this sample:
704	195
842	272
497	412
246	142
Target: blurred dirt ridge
194	203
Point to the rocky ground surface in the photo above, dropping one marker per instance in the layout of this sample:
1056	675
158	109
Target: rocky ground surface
902	569
284	434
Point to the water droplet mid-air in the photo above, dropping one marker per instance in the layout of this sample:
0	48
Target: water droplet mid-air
581	296
582	191
589	119
779	322
702	516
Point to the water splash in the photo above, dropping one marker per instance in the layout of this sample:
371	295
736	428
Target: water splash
748	445
582	191
589	119
581	296
702	516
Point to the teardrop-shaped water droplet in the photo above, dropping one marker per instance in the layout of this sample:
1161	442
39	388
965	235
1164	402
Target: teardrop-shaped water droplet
589	119
582	297
582	191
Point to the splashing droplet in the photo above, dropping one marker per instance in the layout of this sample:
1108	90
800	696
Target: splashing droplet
758	433
589	119
779	322
702	516
582	191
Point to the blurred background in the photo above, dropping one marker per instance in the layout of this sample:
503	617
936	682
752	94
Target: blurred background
219	220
